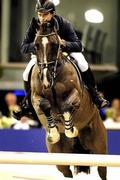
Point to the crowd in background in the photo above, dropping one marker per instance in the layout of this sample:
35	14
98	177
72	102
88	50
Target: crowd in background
6	117
110	115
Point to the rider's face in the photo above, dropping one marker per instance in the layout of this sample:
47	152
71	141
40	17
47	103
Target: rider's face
45	17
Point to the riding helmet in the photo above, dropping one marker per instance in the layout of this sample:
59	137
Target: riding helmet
45	6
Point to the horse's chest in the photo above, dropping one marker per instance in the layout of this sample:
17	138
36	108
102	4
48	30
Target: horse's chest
60	89
54	94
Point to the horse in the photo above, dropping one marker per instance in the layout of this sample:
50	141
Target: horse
64	105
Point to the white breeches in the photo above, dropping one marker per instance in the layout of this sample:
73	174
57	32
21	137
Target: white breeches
31	63
82	63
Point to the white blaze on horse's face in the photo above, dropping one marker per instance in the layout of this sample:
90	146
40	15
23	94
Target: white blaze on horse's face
45	80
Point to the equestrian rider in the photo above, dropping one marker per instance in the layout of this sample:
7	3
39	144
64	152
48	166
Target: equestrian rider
69	43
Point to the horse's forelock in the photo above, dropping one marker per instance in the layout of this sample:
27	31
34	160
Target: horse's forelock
53	39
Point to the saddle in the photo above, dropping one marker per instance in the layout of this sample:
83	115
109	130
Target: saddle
75	64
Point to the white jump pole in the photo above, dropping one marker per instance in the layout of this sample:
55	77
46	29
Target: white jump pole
59	159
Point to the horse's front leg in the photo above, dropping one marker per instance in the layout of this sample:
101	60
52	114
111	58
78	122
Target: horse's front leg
53	135
71	104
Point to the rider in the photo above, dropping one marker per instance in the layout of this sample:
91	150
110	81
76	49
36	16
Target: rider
69	43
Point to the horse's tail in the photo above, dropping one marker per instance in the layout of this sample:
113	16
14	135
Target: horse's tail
78	148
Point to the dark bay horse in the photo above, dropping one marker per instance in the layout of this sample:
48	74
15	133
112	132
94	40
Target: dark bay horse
63	104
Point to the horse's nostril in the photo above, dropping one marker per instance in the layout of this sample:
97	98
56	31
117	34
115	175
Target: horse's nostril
46	86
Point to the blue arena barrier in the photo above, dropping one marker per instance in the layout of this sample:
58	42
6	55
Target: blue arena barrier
23	140
33	140
113	141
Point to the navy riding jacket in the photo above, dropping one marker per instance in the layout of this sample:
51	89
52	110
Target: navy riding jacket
65	31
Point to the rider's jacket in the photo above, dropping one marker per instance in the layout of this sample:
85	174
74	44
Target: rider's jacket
65	31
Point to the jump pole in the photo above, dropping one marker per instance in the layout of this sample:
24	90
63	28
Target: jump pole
59	159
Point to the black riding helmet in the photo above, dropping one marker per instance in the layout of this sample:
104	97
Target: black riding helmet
45	6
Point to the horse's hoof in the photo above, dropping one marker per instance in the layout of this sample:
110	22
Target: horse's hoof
71	133
53	135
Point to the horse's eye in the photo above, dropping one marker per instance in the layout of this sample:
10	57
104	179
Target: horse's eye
54	46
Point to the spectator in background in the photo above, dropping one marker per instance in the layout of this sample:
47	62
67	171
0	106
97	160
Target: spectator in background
113	112
1	123
6	119
116	107
6	122
22	124
25	123
11	102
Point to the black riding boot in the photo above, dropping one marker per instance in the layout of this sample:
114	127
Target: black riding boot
25	110
89	81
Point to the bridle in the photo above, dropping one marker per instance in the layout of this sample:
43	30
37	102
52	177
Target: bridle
43	65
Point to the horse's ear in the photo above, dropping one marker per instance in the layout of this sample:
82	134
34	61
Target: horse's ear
54	13
42	1
39	4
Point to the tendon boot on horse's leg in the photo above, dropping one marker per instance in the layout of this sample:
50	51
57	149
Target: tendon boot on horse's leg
25	110
53	135
97	97
70	130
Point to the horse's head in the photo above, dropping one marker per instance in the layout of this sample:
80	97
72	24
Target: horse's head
48	51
